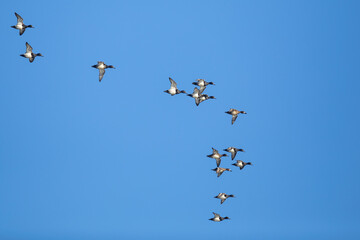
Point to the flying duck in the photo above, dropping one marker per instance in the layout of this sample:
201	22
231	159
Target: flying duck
173	88
241	164
102	66
220	170
29	54
204	97
196	96
234	114
233	151
218	218
202	84
215	155
20	25
223	197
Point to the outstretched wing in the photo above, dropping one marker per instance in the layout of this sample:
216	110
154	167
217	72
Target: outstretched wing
234	117
222	200
173	83
196	91
233	154
202	89
216	215
197	101
215	151
21	31
101	74
19	18
219	173
31	59
28	47
218	161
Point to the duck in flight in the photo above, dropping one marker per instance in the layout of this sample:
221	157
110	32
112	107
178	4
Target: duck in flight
233	151
223	197
220	170
102	66
241	164
215	155
202	84
218	218
173	88
20	24
204	97
234	114
29	53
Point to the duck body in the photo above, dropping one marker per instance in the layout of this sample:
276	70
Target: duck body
173	90
217	156
241	164
218	218
20	24
220	170
29	53
101	66
233	151
234	114
204	97
223	197
202	84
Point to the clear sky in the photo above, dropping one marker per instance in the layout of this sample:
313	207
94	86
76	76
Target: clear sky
121	159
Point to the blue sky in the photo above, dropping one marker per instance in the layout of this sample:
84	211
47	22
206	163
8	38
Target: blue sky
81	159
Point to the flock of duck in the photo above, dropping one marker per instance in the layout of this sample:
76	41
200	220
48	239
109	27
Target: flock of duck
198	95
101	66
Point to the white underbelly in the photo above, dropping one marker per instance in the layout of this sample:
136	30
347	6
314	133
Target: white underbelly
172	91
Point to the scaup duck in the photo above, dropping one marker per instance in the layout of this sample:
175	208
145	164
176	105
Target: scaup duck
20	24
29	54
101	66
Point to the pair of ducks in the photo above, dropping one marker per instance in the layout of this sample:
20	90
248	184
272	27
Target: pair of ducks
197	93
29	50
222	197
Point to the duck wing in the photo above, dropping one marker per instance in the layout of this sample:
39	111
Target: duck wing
234	117
218	161
19	18
196	92
202	89
197	101
101	74
173	83
233	154
216	215
28	47
21	31
215	151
